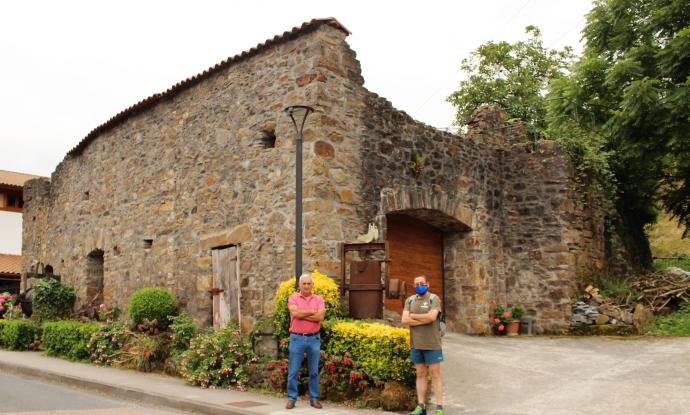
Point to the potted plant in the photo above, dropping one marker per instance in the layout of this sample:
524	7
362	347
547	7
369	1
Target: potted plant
499	317
516	313
506	320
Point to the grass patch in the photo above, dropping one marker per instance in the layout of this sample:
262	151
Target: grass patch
676	324
682	262
666	238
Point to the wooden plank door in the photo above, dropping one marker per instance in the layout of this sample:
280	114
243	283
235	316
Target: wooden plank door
414	248
226	303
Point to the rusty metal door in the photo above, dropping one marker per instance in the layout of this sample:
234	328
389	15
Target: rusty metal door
226	286
366	290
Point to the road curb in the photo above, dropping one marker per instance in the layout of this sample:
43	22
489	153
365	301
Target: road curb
122	392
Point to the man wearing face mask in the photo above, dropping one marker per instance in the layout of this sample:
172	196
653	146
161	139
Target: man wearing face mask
421	315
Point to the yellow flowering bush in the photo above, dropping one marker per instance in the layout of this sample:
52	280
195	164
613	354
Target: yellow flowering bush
323	286
381	351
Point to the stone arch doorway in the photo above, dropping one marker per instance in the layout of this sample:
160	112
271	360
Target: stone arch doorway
94	278
427	233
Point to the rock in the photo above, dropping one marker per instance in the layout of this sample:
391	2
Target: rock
397	397
675	271
371	398
602	319
642	316
626	317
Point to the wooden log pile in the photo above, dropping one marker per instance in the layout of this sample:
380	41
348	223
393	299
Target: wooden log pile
663	288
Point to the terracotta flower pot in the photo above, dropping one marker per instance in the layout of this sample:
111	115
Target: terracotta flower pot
513	328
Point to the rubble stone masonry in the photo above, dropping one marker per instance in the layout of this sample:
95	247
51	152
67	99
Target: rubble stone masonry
198	170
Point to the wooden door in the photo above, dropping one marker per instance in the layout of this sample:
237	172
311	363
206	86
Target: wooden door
414	248
94	278
226	300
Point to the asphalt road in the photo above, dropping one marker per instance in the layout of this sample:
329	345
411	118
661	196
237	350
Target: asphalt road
566	375
30	397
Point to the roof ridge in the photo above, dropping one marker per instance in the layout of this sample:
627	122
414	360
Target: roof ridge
157	97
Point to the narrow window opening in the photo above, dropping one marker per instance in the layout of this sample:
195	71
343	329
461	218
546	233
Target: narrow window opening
148	243
86	195
268	139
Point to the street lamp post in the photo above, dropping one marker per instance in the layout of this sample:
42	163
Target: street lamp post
298	114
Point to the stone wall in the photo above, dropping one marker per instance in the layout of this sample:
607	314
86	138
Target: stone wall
159	190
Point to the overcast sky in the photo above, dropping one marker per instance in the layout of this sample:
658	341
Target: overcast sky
68	66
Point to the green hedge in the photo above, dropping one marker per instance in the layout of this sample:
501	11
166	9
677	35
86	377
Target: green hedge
17	334
152	303
68	338
382	352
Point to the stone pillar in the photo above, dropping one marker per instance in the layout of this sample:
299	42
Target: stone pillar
34	219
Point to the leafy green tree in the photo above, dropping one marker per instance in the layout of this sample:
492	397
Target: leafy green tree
632	88
513	75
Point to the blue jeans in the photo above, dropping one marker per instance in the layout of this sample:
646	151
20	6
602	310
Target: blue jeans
311	345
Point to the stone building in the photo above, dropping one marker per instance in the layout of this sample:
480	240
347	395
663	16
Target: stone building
199	180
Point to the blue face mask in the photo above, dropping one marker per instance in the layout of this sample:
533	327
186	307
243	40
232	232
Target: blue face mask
421	289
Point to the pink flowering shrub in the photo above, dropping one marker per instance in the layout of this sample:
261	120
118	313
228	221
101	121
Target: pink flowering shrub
5	301
340	375
217	359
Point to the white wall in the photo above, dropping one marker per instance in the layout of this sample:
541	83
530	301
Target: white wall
10	233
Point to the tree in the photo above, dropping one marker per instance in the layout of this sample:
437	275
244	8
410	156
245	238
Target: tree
632	87
515	76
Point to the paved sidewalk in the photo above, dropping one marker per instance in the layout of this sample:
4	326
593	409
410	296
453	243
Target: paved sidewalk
481	376
158	390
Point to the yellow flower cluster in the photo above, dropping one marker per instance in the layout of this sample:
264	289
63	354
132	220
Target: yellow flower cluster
323	286
382	351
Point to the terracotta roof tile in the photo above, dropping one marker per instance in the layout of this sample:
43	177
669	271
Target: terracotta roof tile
11	178
155	98
10	264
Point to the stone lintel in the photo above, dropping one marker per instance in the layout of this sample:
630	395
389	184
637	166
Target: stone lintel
237	235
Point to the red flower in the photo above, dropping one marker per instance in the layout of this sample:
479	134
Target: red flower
497	320
501	327
506	314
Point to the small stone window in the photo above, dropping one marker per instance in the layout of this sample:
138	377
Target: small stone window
148	243
86	195
268	139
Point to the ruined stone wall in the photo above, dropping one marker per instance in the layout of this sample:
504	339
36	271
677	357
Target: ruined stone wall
528	234
550	232
34	219
191	173
456	188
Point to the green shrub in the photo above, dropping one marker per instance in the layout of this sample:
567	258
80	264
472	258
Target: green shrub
676	324
106	343
52	299
17	334
142	351
152	304
68	338
183	330
381	351
323	286
217	359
